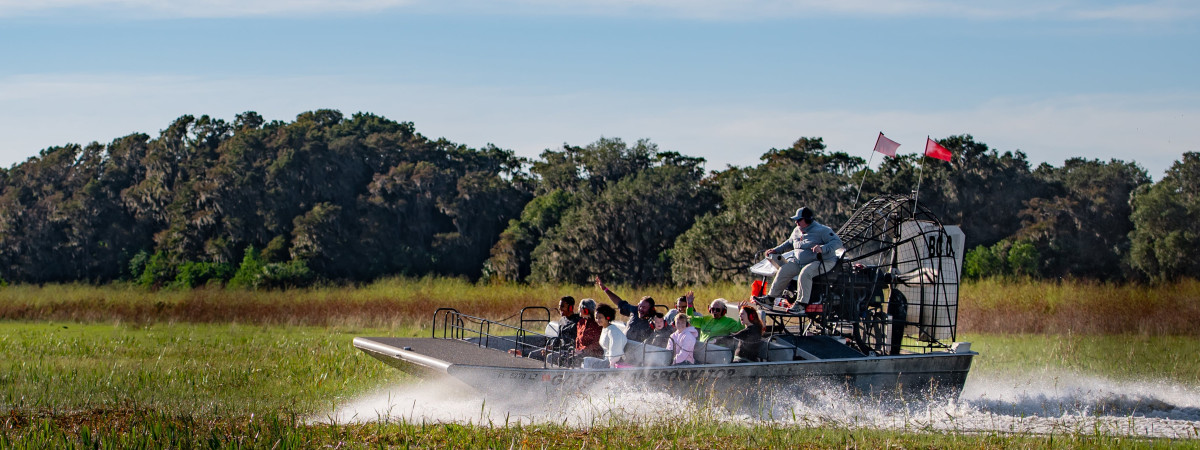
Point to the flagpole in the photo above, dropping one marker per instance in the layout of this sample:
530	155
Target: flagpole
864	179
888	149
920	174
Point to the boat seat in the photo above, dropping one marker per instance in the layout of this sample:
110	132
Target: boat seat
709	353
775	350
646	355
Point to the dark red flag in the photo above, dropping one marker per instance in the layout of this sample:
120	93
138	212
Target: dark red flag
934	150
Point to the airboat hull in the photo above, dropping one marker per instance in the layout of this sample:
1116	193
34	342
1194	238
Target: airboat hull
495	371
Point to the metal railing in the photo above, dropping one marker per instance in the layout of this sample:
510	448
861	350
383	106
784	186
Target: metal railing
449	323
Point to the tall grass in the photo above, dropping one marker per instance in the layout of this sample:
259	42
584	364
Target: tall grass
1079	307
387	303
989	306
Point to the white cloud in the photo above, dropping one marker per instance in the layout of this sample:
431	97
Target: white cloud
1149	10
1157	11
42	111
1072	10
197	8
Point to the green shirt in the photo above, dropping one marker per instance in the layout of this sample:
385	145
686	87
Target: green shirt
711	327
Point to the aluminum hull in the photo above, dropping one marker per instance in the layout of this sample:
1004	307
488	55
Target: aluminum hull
492	370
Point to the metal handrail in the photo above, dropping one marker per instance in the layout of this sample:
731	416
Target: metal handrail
523	324
456	325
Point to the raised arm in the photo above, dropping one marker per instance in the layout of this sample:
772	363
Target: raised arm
623	306
691	309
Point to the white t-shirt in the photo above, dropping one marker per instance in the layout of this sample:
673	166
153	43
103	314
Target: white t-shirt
613	341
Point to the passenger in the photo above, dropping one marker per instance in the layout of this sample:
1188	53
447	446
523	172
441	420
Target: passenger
662	331
638	327
567	318
565	328
812	247
612	340
681	306
750	338
683	341
587	331
717	325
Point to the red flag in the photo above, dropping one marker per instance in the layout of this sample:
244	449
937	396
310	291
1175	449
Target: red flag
886	146
934	150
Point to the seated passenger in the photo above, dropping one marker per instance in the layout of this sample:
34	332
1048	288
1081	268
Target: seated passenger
662	331
563	330
750	338
587	331
683	341
681	306
717	325
612	341
567	318
638	326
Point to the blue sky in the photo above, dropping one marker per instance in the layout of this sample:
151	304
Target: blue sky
724	80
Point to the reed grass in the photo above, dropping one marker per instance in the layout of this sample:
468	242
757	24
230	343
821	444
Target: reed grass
988	306
387	303
1079	307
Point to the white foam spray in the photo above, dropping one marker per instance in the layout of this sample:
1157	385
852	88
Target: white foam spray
445	400
1038	403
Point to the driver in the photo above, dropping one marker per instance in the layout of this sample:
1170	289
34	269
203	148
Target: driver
812	247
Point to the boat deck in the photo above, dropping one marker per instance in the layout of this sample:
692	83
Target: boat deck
822	347
458	352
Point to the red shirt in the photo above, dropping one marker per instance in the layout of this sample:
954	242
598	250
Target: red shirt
587	337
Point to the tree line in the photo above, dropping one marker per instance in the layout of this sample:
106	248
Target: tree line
350	199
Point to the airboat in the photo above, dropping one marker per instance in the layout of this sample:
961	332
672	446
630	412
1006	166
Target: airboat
885	325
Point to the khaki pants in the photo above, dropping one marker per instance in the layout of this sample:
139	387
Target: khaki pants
788	270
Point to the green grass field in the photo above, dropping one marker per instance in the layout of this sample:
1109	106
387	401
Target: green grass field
196	369
195	384
223	369
1120	357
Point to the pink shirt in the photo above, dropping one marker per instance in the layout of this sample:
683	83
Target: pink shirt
683	342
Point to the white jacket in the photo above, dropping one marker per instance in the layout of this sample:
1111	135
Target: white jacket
613	341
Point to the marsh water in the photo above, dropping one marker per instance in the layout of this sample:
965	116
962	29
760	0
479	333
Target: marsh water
1045	402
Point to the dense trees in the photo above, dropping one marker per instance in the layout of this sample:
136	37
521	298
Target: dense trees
345	198
1082	219
1166	234
326	197
611	209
